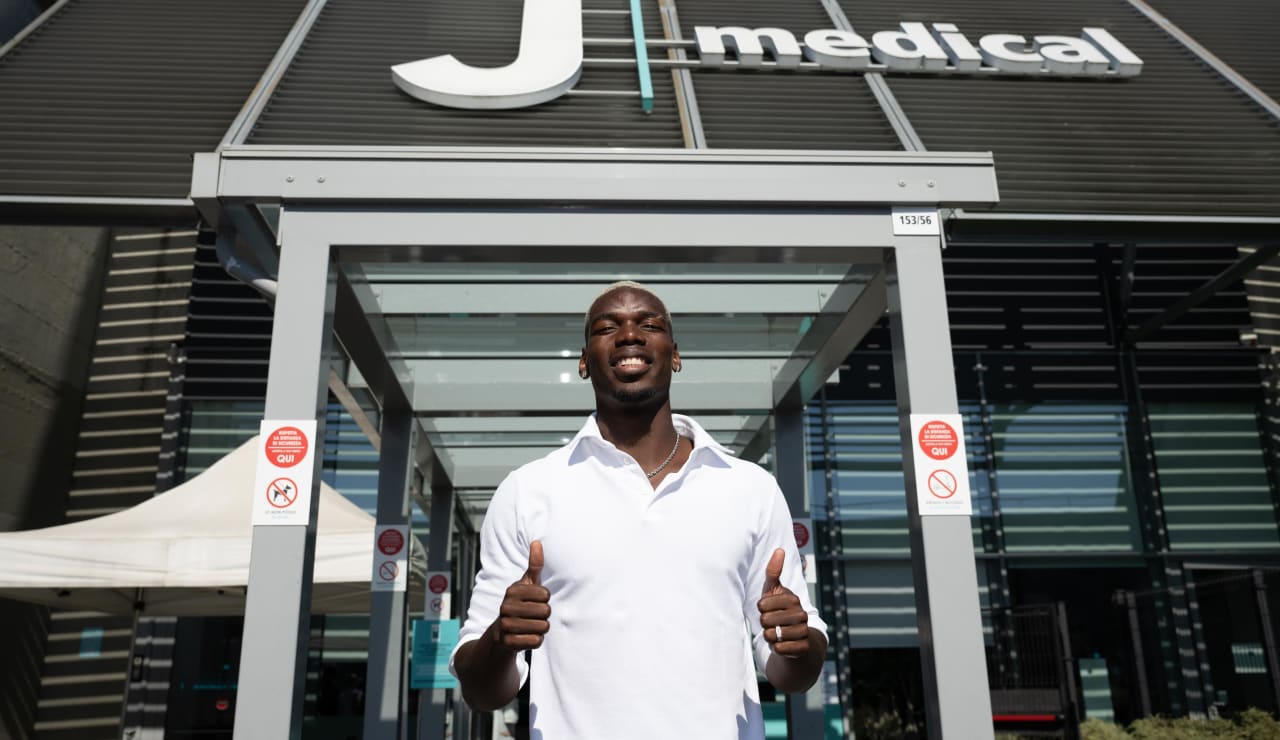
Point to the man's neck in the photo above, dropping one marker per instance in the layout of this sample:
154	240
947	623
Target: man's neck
636	429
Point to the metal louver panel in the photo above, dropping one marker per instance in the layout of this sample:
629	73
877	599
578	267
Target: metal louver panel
228	337
781	110
1241	33
110	99
338	90
1178	139
1033	322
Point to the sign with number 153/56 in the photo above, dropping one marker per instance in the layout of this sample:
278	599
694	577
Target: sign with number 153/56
916	222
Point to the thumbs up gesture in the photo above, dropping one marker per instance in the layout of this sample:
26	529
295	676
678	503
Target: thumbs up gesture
523	614
783	619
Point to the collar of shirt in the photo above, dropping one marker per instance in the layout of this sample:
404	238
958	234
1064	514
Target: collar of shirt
589	441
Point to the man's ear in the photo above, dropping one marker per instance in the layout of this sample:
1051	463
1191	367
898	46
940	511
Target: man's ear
582	365
675	359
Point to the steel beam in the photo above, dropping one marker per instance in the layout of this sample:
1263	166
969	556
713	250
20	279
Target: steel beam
1228	276
432	703
957	697
790	466
852	309
417	175
386	689
278	603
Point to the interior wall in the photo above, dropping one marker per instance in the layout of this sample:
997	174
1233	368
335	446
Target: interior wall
50	289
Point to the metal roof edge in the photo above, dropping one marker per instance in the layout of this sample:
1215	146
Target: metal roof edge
620	154
257	101
40	209
39	21
963	225
1233	77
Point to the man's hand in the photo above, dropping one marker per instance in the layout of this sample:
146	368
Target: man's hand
523	614
785	623
487	666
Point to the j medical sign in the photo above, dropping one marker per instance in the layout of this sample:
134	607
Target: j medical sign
550	58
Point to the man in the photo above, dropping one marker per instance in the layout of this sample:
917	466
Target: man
627	561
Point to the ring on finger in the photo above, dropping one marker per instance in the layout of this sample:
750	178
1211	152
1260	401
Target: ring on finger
777	633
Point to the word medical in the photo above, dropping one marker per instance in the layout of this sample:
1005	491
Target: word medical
920	48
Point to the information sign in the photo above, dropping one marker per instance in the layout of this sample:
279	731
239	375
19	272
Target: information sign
390	558
942	476
803	529
285	472
433	643
439	595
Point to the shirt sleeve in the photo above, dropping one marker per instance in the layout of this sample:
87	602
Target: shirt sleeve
776	530
504	558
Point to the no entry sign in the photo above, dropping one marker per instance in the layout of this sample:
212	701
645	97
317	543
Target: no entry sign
439	595
942	477
390	558
285	472
390	542
803	531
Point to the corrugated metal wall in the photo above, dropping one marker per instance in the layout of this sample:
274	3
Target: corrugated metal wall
1241	33
117	458
1176	140
781	110
111	98
338	91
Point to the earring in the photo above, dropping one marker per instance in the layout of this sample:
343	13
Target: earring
582	374
676	367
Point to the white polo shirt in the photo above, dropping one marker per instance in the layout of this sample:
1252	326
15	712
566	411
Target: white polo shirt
650	589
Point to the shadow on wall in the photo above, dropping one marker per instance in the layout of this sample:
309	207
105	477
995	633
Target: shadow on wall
50	292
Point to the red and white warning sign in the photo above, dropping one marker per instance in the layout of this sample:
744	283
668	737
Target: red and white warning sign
285	472
439	595
942	475
390	558
803	530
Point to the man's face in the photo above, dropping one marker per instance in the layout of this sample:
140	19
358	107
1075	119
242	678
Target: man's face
630	353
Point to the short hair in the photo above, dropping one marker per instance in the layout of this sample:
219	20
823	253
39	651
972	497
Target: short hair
666	313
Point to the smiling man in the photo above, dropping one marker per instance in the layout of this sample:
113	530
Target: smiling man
628	562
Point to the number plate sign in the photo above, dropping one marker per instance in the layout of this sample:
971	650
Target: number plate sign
916	222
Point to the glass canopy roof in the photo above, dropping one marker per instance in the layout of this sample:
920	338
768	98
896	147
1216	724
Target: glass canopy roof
492	348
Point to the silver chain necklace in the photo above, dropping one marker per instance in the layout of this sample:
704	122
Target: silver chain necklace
666	462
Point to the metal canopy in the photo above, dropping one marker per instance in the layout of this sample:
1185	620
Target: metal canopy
454	280
768	301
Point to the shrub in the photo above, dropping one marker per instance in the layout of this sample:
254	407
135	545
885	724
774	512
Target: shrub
1163	728
1251	724
1096	729
1258	725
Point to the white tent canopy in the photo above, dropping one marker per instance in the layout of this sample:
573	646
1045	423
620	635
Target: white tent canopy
188	551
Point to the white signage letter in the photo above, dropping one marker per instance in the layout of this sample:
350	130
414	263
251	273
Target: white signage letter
747	44
837	49
1066	55
911	48
1123	61
996	52
548	64
964	57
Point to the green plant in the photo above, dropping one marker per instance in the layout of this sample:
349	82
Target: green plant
1258	725
1164	728
1096	729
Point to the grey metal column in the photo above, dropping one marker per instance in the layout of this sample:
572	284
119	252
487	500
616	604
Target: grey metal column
278	607
804	712
957	697
385	690
433	703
